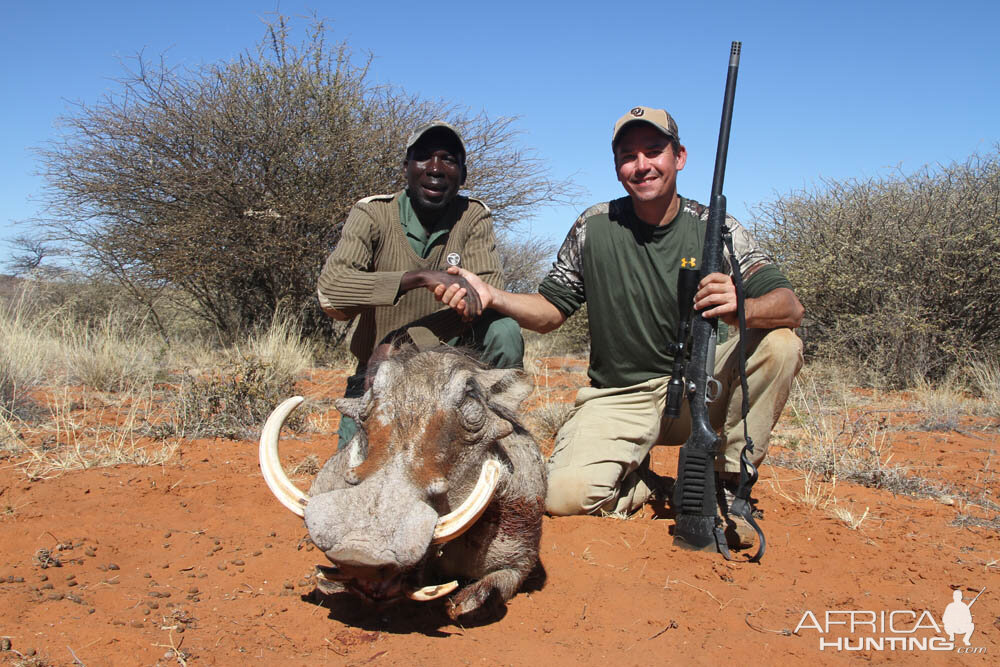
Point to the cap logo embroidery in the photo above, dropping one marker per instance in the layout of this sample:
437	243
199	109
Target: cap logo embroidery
637	112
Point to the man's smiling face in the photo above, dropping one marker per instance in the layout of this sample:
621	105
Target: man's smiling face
435	169
646	163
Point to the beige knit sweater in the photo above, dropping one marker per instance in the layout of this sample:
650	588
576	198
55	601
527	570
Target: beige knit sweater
361	276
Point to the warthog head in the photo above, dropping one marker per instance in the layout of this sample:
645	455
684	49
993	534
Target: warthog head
440	482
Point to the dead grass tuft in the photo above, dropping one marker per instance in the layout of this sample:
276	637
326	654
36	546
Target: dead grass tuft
831	445
81	435
231	402
10	436
969	521
307	467
941	406
541	346
849	516
815	494
546	420
111	354
985	376
279	347
548	417
26	352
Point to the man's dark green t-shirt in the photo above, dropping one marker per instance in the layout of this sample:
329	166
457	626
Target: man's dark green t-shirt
626	272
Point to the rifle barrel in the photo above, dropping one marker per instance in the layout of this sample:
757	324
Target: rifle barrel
727	119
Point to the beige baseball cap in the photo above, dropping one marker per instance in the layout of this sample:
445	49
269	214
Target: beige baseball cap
434	124
658	118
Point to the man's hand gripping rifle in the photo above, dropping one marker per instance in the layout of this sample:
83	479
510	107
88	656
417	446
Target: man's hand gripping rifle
696	501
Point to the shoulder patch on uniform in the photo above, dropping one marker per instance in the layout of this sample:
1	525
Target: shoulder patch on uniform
481	203
376	198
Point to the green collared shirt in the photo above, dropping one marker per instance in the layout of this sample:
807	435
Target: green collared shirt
420	239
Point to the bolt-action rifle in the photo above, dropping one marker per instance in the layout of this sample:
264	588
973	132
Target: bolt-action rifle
699	526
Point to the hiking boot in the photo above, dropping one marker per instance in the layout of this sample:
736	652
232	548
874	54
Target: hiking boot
739	533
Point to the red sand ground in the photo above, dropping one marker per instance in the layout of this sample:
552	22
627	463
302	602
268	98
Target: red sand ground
197	556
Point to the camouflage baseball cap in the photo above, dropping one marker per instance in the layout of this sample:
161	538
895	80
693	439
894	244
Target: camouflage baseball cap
658	118
434	124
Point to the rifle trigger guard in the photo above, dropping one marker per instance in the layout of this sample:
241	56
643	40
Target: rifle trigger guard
713	389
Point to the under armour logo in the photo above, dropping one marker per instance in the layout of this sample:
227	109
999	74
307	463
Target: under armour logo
688	263
638	111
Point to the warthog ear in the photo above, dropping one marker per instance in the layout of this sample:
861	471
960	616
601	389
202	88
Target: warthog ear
507	387
350	407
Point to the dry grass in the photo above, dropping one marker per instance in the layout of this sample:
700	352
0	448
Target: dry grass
230	402
941	406
546	420
815	494
147	403
307	468
10	437
197	354
970	521
548	417
280	349
850	517
985	376
27	350
538	347
113	354
819	494
321	422
232	398
827	442
79	434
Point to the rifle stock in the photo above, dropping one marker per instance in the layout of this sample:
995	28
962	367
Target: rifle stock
698	524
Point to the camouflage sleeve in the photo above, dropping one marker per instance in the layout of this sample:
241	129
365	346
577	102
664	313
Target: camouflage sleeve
563	286
759	273
751	257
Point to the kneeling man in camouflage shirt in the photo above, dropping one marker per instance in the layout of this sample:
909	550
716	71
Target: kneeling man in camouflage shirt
622	258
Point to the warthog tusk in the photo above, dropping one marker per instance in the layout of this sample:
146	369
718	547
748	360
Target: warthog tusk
448	527
455	523
432	592
270	464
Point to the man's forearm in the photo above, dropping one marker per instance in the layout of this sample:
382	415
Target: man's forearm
531	311
778	308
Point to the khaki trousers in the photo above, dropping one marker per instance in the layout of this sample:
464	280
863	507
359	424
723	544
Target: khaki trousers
595	466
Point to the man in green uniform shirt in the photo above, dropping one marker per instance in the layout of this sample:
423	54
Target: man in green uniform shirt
393	244
622	258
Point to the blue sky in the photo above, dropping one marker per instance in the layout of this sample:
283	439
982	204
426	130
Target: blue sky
826	90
